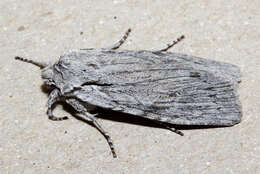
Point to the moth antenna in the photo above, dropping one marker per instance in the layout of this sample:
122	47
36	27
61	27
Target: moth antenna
39	64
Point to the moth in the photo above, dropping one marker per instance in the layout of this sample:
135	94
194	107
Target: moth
165	87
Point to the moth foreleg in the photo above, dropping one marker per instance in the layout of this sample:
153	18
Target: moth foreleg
79	107
173	43
53	98
121	41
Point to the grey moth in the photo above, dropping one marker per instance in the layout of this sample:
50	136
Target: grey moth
165	87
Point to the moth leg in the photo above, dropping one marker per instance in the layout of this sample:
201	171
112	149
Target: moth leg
104	133
170	128
82	110
121	41
173	43
53	98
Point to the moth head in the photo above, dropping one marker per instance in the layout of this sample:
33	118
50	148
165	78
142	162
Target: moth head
48	76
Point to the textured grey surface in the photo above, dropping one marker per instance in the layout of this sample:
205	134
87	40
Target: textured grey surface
30	143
